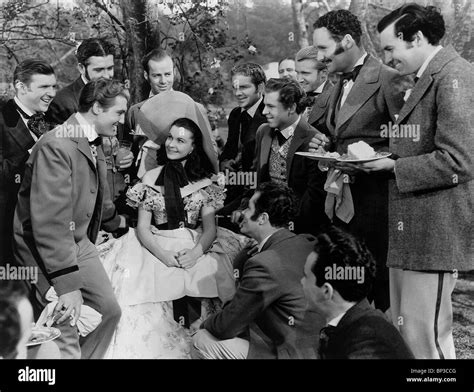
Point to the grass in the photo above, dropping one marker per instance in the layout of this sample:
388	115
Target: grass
463	316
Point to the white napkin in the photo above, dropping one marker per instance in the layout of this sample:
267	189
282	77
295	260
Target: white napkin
88	320
339	197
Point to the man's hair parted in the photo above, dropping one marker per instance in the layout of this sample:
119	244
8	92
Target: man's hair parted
103	91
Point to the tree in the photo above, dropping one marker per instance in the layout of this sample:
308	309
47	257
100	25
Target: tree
299	23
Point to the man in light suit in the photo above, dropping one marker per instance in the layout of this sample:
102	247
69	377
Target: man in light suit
158	70
432	188
277	142
58	216
21	124
362	102
269	296
338	275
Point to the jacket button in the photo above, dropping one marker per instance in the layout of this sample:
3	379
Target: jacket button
89	214
92	190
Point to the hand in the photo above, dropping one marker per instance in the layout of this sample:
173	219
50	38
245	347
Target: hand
318	142
195	326
169	259
228	164
187	258
385	164
236	216
252	251
68	306
126	162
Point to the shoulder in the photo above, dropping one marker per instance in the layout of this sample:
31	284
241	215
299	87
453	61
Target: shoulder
150	176
234	113
263	129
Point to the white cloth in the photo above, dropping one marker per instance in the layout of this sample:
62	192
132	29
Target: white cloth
339	196
88	320
148	150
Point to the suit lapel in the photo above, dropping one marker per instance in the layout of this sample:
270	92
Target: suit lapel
298	139
365	86
15	126
439	60
319	107
332	106
266	144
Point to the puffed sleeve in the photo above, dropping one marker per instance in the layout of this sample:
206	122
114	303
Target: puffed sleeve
214	194
143	196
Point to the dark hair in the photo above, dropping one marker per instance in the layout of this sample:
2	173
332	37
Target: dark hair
198	165
254	71
11	292
99	47
335	247
10	328
411	18
290	93
27	68
339	23
155	55
278	201
103	91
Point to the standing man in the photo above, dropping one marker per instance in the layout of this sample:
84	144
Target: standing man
22	123
158	70
285	133
58	216
248	83
432	188
286	68
361	103
95	57
312	75
269	293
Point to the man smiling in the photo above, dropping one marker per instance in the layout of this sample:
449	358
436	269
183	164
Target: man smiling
22	122
431	190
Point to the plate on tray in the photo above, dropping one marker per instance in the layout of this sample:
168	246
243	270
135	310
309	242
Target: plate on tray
41	335
377	156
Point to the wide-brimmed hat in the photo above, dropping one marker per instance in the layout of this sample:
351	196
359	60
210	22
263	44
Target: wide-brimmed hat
159	112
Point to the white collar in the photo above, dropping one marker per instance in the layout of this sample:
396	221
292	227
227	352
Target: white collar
84	79
289	131
427	61
320	89
261	245
360	61
336	320
253	109
22	107
87	128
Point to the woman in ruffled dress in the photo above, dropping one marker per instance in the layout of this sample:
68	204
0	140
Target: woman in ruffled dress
176	250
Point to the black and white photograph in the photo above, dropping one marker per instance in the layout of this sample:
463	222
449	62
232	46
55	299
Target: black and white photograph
237	179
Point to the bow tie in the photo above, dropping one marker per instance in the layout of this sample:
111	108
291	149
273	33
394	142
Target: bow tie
352	75
324	336
36	123
312	94
96	142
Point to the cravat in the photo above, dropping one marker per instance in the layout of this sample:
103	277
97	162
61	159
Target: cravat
312	94
352	75
36	123
324	336
279	135
96	142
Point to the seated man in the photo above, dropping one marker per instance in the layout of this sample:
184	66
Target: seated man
338	275
269	294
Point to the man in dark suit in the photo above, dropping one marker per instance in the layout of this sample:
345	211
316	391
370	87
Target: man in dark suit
58	216
337	278
21	124
248	83
361	104
431	191
277	142
269	294
312	75
95	57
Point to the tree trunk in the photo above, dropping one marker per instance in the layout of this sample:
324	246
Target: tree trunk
299	23
141	37
359	8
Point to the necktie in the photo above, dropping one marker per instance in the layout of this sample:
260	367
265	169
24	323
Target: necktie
324	336
36	123
96	142
312	94
352	75
279	135
245	120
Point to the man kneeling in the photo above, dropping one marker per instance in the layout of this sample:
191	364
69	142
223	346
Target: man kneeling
269	298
